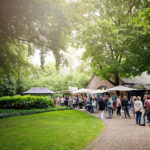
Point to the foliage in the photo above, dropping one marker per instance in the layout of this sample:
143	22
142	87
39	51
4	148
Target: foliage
55	130
7	86
114	40
31	24
25	102
13	58
58	80
4	113
11	85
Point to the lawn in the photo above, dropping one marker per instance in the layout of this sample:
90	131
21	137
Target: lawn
57	130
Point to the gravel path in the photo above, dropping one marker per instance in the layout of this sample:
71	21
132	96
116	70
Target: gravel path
121	134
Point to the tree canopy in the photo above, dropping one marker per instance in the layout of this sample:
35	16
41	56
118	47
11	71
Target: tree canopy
35	24
117	44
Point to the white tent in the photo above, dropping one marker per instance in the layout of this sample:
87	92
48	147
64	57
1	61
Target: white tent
121	88
98	91
82	91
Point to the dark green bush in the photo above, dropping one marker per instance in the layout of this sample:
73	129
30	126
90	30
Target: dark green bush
25	102
4	113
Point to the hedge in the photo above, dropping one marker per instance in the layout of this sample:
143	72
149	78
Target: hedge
25	102
4	113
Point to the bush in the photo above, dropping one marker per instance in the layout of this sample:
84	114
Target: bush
25	102
4	113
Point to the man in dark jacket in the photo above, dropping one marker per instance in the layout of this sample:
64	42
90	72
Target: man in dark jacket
125	106
102	107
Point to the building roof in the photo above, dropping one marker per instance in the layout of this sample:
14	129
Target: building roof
39	90
143	79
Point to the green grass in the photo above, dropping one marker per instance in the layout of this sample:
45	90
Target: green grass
4	113
57	130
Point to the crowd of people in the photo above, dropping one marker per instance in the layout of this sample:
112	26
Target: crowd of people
110	104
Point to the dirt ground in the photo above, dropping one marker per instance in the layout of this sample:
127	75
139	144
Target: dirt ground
121	134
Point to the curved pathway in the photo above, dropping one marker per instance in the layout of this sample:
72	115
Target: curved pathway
121	134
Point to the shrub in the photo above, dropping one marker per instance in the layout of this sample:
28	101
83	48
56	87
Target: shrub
25	102
4	113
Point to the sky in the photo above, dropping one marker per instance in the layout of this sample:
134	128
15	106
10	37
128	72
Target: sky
35	59
72	55
76	55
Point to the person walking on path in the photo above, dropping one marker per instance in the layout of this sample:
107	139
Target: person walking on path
118	106
110	107
125	106
101	105
138	109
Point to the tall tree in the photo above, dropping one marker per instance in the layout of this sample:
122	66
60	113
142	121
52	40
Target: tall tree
43	24
112	42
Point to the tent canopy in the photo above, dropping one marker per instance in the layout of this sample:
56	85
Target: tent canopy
120	88
39	90
82	91
98	91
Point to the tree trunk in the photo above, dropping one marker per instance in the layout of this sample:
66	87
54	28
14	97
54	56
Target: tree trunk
117	80
42	59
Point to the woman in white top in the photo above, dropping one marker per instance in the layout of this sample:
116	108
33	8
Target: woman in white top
138	109
62	101
118	106
94	105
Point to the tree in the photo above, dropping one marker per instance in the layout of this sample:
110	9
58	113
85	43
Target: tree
39	24
112	42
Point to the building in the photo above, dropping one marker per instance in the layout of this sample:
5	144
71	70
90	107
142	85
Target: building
38	91
142	83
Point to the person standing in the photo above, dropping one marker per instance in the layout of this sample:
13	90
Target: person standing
138	110
132	105
101	105
106	98
147	110
144	99
80	102
118	106
114	101
62	101
88	105
94	105
109	107
125	106
74	103
70	102
57	100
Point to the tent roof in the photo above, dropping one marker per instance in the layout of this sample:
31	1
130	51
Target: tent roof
68	91
82	91
98	91
39	90
143	79
121	88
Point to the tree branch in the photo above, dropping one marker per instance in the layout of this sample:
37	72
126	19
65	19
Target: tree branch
110	81
132	5
112	51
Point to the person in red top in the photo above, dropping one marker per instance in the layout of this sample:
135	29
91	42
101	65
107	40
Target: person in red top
147	110
54	100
